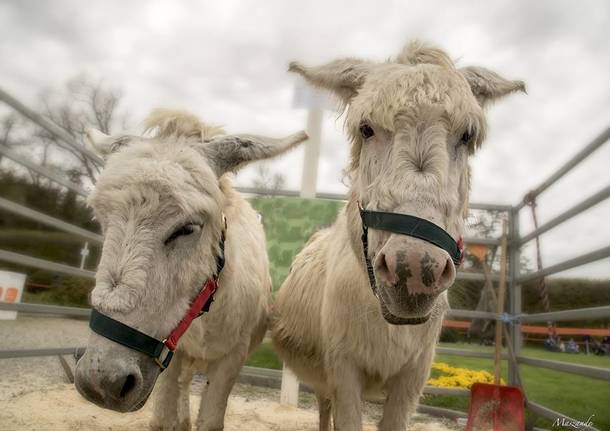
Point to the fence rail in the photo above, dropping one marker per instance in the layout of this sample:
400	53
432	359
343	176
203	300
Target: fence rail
35	353
582	370
34	262
343	197
595	144
84	312
577	209
53	222
575	262
9	153
57	310
50	127
593	313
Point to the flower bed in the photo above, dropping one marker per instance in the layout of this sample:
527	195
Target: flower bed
446	376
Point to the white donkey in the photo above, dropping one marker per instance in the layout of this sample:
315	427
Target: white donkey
167	211
345	331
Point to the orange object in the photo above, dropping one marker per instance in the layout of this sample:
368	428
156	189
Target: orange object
479	251
541	330
497	408
11	294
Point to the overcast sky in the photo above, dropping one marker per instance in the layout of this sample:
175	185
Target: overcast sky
226	61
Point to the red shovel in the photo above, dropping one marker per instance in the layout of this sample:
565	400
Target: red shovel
496	407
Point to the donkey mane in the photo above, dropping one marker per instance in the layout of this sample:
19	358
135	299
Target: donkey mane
166	123
418	52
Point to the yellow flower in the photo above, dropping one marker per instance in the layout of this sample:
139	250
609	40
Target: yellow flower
459	377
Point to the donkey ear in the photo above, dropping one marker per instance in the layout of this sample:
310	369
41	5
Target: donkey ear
230	152
105	144
487	85
343	77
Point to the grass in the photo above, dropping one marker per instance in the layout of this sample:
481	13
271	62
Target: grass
264	357
581	359
570	394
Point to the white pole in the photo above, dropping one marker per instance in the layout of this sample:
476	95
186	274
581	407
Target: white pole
290	388
305	98
84	253
312	154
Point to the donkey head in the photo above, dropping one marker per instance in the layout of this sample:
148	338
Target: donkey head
159	201
413	122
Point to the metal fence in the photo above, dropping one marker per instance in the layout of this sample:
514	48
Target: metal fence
514	318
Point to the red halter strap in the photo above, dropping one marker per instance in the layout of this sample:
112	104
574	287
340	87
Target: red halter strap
194	311
460	246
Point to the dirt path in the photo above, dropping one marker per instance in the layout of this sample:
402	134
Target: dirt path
60	408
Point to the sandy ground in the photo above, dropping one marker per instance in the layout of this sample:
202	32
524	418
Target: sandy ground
35	393
59	407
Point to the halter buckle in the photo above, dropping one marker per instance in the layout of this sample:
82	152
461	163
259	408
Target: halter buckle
360	207
166	354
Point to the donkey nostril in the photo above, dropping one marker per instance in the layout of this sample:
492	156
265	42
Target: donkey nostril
383	264
385	269
130	383
448	275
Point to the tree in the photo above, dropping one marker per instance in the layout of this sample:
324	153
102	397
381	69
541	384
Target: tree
266	181
7	124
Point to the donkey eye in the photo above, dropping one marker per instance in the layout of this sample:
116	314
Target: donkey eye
185	230
466	138
366	131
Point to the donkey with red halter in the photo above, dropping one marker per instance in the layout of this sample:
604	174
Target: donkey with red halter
179	243
362	306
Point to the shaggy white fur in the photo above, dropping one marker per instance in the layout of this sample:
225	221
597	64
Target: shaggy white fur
413	121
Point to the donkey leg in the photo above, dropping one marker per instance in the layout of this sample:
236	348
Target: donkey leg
222	374
403	392
171	409
346	382
324	407
400	402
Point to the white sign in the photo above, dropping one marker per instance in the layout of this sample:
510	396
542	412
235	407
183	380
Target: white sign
11	289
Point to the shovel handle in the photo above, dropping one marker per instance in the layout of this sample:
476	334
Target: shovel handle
500	303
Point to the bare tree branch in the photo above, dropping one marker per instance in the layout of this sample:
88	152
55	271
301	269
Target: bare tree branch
83	103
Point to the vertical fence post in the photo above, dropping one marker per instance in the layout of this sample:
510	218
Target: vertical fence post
514	292
84	252
289	394
312	154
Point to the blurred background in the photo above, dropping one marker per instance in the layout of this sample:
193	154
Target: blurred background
67	65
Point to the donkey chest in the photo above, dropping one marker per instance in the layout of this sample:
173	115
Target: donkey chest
387	354
353	327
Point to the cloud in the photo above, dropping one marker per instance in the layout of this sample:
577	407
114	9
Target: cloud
227	62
